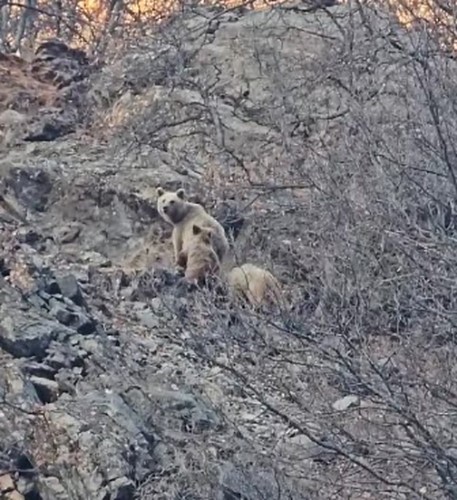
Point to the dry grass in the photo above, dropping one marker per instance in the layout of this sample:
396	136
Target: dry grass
20	90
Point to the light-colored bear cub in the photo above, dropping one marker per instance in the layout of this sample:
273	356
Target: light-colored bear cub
254	284
183	215
202	260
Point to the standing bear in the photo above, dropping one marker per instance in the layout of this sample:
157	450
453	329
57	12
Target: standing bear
183	216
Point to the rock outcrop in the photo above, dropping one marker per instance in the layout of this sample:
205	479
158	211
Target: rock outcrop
42	99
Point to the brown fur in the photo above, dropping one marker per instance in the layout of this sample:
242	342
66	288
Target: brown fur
254	284
183	215
202	260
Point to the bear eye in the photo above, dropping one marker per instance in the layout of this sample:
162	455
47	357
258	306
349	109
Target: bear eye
172	202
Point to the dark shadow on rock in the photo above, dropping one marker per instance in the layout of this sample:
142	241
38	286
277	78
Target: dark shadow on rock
31	187
232	220
50	131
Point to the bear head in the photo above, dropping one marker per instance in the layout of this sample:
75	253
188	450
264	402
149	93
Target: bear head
172	206
203	234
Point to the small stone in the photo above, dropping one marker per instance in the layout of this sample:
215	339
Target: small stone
14	495
148	319
90	346
157	305
95	259
63	315
346	403
53	488
37	301
39	263
6	483
58	360
68	234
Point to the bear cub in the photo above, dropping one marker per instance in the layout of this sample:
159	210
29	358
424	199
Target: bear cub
202	261
254	284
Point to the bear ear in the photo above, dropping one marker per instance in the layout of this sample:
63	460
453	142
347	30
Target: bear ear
196	229
180	193
160	191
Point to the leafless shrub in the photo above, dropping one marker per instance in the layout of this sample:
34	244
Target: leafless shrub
95	26
358	204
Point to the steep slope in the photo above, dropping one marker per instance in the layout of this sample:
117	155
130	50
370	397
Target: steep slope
325	140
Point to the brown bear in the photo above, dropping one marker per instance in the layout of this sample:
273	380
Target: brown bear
254	284
183	215
202	260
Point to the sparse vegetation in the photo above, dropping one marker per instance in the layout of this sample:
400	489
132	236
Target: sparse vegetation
331	131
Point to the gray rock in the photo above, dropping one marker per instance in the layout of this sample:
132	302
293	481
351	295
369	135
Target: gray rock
122	488
62	355
247	484
138	306
68	234
38	369
346	403
31	187
91	345
62	314
20	392
47	390
451	453
86	325
28	236
115	446
37	301
157	305
6	483
69	288
148	318
51	288
74	318
95	259
26	336
27	487
195	414
51	488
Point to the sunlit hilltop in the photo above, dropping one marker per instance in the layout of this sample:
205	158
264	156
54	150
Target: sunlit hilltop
90	23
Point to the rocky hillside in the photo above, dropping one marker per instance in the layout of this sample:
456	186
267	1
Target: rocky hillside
324	140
